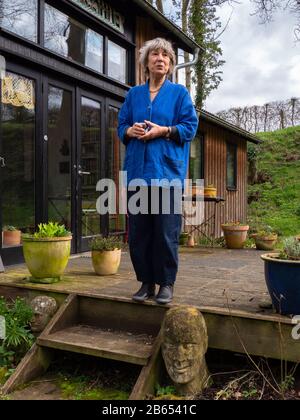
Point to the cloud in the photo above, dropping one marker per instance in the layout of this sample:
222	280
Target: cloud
262	61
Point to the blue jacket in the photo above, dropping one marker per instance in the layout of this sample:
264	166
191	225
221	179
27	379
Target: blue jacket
158	158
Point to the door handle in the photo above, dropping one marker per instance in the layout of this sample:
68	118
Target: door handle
83	173
2	162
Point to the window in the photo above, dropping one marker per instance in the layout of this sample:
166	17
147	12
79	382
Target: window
116	62
231	160
69	38
20	17
115	162
196	165
18	120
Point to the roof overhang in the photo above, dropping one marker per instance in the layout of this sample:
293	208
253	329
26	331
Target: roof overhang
191	45
207	116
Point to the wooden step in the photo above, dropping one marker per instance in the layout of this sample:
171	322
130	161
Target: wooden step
104	328
110	344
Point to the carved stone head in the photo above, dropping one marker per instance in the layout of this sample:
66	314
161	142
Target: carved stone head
44	307
184	344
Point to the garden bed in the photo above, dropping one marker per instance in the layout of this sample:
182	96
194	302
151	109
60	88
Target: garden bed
76	377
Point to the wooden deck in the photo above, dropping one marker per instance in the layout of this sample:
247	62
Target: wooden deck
226	285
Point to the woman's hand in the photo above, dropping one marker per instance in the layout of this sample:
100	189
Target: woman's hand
137	130
154	131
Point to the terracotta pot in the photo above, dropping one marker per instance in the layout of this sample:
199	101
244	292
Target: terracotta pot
265	243
106	262
11	237
191	241
210	192
46	258
235	235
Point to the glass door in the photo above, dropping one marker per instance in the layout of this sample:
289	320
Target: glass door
115	161
90	129
18	148
58	149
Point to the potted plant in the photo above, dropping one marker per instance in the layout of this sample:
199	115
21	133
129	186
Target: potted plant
47	252
235	234
265	239
183	238
106	254
11	236
282	275
210	191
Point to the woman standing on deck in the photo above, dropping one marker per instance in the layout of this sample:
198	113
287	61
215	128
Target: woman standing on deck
157	122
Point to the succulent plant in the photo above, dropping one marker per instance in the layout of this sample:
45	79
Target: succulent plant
291	248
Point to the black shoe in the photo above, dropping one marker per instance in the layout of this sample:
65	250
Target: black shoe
146	291
165	294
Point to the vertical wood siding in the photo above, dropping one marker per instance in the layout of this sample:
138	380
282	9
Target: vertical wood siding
144	32
235	205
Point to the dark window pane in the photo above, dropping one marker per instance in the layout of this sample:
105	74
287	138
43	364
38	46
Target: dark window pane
90	162
20	17
117	222
116	62
231	165
69	38
196	170
18	139
59	155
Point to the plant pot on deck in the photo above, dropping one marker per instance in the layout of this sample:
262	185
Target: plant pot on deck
11	237
106	262
265	242
235	235
46	258
283	282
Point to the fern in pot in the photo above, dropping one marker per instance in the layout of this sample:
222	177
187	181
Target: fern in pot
282	275
106	254
47	252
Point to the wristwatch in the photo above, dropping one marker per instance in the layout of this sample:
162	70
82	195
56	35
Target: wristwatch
168	133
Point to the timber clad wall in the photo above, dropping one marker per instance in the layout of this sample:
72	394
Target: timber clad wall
144	32
235	205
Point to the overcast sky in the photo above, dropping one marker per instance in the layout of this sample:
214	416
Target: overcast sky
262	61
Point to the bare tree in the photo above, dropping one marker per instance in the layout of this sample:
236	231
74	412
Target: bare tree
268	117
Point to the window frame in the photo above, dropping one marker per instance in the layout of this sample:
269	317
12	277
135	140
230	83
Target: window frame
234	147
201	137
125	41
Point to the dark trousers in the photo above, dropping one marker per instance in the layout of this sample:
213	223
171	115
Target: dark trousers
153	242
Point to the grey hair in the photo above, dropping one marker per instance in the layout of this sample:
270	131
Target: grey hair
157	44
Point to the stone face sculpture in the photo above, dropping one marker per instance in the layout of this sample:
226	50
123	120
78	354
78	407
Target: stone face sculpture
44	307
184	344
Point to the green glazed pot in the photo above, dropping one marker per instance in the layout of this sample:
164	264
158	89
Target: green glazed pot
47	257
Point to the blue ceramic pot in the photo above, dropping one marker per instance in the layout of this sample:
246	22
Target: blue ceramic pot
283	282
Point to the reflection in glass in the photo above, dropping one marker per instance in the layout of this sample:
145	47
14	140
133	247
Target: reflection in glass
196	159
90	162
116	155
18	139
116	62
59	155
231	165
67	37
20	17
